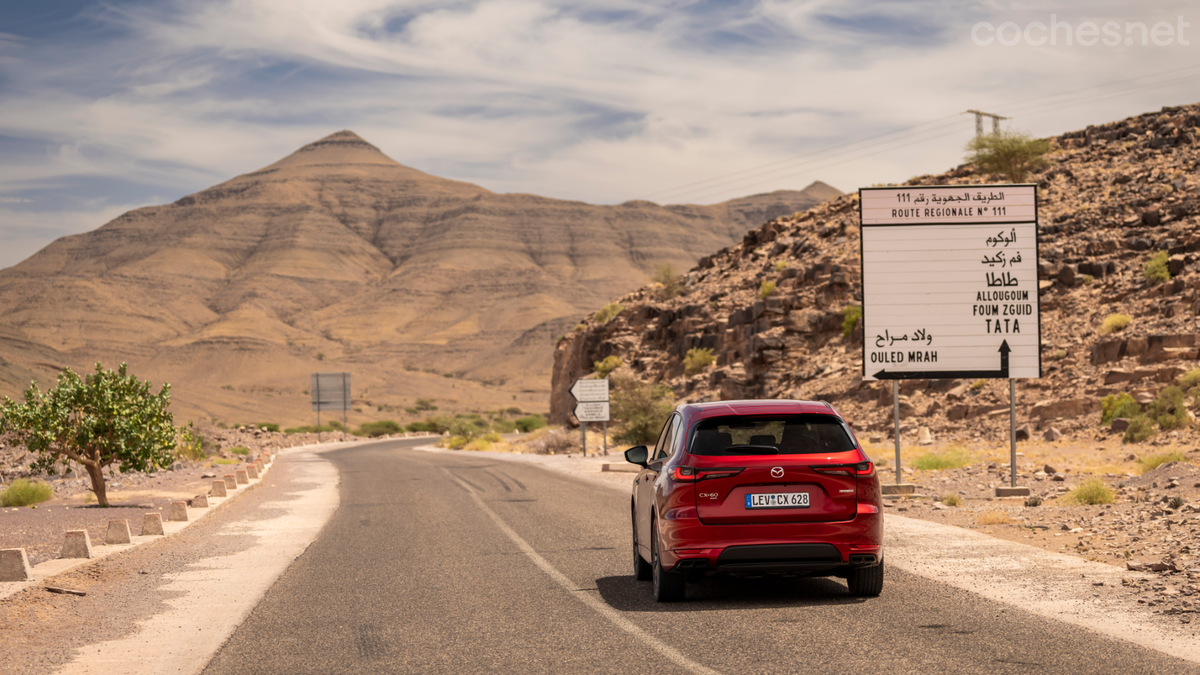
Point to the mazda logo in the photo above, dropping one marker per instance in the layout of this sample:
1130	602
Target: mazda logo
777	472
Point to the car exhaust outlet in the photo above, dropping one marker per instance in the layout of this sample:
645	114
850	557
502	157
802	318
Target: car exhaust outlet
862	559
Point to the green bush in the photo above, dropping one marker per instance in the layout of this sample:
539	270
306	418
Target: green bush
850	316
418	427
1154	461
952	458
1189	379
1012	154
529	423
379	428
1114	323
1118	405
24	493
269	426
640	408
425	404
467	427
608	312
504	426
240	450
767	288
668	282
609	364
1156	269
697	359
456	442
1168	409
1092	492
1141	428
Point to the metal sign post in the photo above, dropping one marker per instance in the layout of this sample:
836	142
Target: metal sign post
896	421
591	398
950	286
331	391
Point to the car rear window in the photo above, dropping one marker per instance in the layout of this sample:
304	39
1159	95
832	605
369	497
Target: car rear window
777	435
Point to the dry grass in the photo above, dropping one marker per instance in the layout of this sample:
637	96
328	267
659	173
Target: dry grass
1114	323
993	517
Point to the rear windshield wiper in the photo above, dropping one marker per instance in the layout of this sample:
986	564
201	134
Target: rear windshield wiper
752	450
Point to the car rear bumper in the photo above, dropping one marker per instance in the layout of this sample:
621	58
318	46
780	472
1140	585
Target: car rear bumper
812	548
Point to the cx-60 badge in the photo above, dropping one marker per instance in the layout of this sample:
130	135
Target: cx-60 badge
777	472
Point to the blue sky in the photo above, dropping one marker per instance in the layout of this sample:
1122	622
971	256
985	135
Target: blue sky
107	106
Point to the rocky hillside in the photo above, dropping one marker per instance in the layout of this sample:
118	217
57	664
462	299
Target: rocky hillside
339	258
1112	196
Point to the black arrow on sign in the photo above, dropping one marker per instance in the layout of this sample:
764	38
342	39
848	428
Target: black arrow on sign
1001	374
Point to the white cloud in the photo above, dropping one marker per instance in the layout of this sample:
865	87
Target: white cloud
597	101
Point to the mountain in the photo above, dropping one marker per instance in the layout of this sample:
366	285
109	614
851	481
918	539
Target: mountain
1112	197
339	258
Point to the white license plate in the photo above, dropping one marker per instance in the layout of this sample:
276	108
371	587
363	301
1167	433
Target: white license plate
777	500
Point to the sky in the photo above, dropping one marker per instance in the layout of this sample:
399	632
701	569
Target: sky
112	105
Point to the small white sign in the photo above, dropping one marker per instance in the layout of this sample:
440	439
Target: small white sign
590	390
950	287
592	411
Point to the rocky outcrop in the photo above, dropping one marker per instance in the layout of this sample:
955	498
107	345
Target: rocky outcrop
1113	196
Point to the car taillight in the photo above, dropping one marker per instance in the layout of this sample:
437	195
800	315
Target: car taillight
861	469
691	473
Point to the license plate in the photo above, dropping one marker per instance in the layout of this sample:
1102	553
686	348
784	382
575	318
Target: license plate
777	500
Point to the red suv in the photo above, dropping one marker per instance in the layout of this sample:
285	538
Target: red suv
753	488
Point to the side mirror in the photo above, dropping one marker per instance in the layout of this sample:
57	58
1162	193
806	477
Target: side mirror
637	455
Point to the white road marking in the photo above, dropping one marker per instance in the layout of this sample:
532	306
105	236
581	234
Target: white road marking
673	655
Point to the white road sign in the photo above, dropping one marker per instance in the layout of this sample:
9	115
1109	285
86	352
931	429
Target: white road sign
592	411
950	287
590	390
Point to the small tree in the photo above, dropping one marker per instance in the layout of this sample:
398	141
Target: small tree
640	407
668	282
1012	154
103	419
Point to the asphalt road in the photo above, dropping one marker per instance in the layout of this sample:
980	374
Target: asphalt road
447	563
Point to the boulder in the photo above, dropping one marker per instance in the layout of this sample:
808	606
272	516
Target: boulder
1066	275
1119	425
1023	432
924	437
1052	434
1050	471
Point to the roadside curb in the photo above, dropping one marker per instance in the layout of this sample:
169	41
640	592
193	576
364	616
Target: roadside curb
38	574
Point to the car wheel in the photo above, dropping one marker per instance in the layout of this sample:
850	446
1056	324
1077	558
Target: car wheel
641	569
866	582
668	586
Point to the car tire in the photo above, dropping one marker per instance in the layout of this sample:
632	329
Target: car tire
642	571
866	582
668	586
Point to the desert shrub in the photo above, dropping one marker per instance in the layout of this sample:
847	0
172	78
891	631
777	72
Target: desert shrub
1058	355
269	426
240	450
766	289
1114	323
1154	461
25	493
1141	428
1168	409
492	437
320	356
1189	379
1155	269
668	283
1175	503
608	312
1012	154
1118	405
1033	500
455	442
780	265
609	364
640	408
951	500
978	384
189	444
850	316
951	458
529	423
379	428
504	426
697	359
478	445
467	427
993	517
425	404
560	442
1087	279
417	427
1091	492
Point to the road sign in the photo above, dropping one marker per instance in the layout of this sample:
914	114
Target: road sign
330	391
592	411
590	390
950	287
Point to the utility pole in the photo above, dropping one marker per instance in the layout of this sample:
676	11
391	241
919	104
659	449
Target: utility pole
979	122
